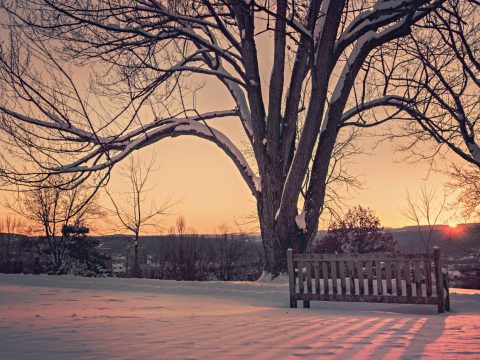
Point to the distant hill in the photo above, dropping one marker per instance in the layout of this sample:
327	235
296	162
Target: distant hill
455	241
119	242
5	236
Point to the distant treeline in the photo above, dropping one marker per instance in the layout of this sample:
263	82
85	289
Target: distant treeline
192	257
182	256
174	257
81	255
457	241
19	254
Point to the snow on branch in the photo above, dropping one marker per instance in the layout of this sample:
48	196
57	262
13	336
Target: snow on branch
239	98
122	141
382	14
116	149
113	149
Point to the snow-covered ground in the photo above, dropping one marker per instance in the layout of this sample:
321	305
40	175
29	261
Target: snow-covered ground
63	317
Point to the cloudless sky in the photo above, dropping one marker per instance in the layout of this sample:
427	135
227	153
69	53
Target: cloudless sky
210	190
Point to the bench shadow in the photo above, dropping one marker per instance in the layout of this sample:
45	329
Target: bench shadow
380	338
368	331
399	309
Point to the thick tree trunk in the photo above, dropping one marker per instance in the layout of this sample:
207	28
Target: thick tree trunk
273	244
279	231
277	237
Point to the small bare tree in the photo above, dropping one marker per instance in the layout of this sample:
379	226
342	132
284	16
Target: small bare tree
465	183
50	208
133	208
425	208
188	255
161	254
226	252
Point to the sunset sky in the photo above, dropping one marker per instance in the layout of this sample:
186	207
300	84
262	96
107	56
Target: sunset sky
209	191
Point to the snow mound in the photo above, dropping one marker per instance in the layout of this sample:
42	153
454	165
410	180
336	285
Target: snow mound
268	278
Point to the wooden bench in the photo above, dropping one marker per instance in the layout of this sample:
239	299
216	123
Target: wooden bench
405	278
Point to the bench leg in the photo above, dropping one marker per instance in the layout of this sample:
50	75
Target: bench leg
447	302
293	303
447	297
306	303
440	306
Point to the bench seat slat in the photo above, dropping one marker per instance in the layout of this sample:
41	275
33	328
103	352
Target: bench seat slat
388	276
408	277
428	276
334	276
369	278
360	277
308	268
316	267
398	278
378	273
369	298
418	279
351	276
341	265
300	277
325	277
363	257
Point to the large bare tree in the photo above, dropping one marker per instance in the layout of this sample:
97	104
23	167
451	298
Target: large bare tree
153	56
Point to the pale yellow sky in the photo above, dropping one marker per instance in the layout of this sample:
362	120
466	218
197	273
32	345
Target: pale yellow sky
211	191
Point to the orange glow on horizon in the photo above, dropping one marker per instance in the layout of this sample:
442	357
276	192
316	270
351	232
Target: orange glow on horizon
452	225
454	229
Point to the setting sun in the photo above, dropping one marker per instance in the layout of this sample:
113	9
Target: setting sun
453	224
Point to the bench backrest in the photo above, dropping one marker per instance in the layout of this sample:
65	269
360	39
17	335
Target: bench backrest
375	277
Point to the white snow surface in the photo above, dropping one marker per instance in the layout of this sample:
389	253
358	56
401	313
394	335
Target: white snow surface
65	317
